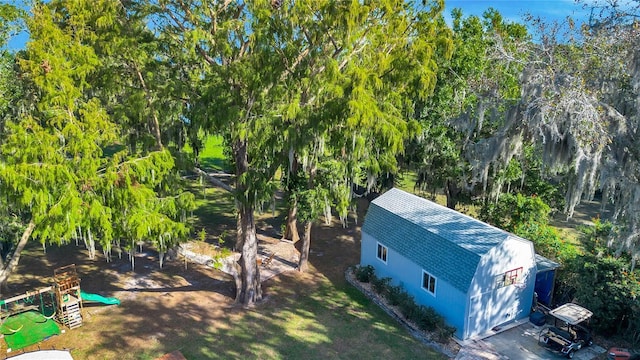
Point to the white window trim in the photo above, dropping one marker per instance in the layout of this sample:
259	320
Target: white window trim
386	252
435	285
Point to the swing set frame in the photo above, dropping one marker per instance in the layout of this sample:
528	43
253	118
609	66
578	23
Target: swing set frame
27	303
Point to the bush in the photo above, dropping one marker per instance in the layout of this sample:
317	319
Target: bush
380	285
365	273
409	308
603	281
428	319
425	317
396	295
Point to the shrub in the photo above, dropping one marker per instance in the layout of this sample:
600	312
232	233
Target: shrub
408	308
425	317
365	273
428	319
380	285
396	294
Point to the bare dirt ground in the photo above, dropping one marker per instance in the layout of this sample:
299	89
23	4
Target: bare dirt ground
149	297
584	214
168	308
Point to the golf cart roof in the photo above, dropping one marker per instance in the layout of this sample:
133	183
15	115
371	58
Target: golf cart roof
44	354
571	313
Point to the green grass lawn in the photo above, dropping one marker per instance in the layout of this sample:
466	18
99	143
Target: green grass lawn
215	211
212	154
300	318
298	321
306	316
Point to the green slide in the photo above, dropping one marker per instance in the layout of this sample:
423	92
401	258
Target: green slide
98	298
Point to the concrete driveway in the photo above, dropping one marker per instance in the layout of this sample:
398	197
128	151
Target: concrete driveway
518	343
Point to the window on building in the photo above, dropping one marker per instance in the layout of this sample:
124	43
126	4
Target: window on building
382	252
429	282
508	278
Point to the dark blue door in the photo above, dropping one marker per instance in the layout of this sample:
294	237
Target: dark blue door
544	286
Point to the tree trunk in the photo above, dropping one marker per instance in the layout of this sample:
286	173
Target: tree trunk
303	264
238	280
154	124
10	267
291	230
239	233
251	290
306	236
452	191
91	245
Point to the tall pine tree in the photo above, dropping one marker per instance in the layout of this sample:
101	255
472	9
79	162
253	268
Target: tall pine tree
53	165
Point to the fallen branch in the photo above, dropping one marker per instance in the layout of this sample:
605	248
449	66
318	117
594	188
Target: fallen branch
214	180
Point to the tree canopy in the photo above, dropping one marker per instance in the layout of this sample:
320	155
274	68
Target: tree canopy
56	169
303	80
97	108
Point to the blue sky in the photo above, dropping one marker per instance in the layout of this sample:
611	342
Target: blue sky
513	10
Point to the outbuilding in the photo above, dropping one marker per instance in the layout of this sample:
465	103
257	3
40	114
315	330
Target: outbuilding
478	277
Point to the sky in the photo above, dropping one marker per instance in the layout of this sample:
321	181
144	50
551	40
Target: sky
511	10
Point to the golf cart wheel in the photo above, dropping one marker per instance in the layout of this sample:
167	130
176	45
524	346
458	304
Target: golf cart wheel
570	354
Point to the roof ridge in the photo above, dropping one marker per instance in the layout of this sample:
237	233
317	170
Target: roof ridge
420	198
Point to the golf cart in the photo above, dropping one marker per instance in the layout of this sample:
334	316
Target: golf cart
569	332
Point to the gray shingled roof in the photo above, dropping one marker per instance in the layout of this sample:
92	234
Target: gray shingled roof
544	264
442	241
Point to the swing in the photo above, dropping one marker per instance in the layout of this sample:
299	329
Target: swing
4	319
30	299
12	331
50	317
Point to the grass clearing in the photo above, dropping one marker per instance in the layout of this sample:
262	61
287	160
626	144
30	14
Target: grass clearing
212	155
310	318
215	211
316	315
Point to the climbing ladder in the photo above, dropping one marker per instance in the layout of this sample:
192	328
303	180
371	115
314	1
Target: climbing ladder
71	316
68	296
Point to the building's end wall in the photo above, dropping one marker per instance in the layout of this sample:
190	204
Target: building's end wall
491	303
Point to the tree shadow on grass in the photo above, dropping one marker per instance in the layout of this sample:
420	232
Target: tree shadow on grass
216	217
217	164
313	315
295	321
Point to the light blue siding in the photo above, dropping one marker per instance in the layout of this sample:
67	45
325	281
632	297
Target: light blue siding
465	255
491	306
448	301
